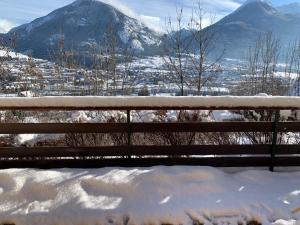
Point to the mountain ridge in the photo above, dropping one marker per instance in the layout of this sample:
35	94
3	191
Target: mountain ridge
240	29
83	24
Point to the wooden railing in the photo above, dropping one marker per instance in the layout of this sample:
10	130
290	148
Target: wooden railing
129	154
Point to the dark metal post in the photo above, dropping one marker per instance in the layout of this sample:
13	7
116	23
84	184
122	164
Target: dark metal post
274	139
129	133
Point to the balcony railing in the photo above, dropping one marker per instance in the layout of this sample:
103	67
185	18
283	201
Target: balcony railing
269	154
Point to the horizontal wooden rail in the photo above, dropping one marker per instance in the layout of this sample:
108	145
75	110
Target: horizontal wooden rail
289	127
122	151
146	162
101	151
61	128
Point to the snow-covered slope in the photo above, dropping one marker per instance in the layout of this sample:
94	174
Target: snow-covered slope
292	8
239	30
158	195
83	24
12	54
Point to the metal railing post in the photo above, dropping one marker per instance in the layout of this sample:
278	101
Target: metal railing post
274	139
129	132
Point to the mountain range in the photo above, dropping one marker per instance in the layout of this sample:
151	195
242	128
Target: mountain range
240	29
87	23
82	25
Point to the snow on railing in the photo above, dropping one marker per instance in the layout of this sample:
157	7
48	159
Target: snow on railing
209	102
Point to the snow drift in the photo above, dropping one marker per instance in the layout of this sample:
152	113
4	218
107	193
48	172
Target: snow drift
158	195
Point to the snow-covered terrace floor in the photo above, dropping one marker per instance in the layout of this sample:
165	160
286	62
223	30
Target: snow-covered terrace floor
157	195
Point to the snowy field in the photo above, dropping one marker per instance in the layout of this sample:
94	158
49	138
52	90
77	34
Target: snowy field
158	195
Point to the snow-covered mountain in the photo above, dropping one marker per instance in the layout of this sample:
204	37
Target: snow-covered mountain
237	31
85	23
292	8
82	24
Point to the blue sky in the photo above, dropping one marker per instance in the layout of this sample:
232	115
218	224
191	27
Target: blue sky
152	12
